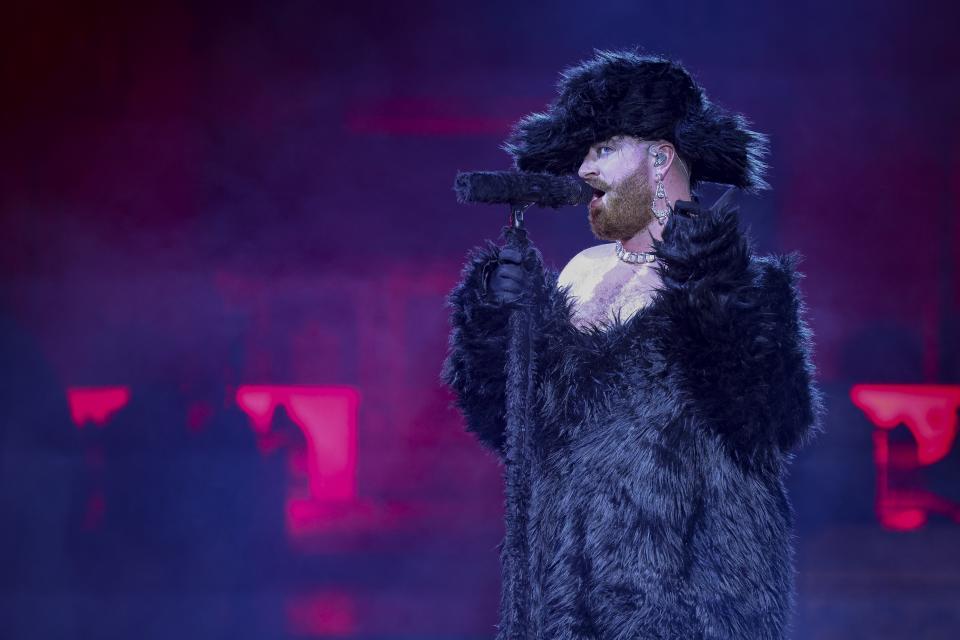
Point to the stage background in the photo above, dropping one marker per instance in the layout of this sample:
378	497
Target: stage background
227	234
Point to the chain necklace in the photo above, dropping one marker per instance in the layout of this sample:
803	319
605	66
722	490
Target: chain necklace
634	257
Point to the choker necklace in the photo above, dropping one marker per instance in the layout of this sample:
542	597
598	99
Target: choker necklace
634	257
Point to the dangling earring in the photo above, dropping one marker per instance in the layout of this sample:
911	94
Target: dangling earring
661	194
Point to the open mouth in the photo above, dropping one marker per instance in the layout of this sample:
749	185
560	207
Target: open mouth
597	195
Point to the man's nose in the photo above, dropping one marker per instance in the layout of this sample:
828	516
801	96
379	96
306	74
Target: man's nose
587	168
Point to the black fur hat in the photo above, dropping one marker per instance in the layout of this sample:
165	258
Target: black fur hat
626	93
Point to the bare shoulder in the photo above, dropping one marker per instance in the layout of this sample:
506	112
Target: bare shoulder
585	264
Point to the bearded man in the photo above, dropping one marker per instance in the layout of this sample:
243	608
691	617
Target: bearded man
670	376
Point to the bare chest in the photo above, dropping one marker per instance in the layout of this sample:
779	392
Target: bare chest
603	290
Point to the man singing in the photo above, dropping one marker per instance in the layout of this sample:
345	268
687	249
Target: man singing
670	377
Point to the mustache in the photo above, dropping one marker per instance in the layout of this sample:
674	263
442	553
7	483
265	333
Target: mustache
599	186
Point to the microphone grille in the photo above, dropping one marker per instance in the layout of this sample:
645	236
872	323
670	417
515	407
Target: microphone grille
520	187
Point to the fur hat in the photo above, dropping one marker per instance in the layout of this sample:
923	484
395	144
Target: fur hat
625	93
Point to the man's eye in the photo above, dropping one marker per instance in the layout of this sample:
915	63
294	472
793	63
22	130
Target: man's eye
602	151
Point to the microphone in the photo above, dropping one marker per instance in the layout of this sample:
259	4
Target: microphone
521	188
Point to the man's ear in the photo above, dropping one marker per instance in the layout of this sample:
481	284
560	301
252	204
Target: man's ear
663	154
666	149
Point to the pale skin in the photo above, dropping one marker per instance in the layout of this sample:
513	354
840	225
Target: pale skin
623	168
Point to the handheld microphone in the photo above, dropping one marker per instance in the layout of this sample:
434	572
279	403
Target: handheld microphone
521	188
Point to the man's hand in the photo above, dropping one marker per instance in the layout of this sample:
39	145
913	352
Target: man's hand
704	242
509	279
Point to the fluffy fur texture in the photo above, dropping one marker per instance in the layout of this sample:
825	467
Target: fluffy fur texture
625	93
648	499
515	187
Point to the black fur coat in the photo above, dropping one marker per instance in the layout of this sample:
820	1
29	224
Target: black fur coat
646	498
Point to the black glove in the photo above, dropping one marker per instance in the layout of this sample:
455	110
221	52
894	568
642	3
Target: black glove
700	240
509	279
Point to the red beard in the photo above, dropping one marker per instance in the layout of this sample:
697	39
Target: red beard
623	210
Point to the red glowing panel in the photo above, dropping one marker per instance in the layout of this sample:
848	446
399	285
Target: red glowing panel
259	404
328	418
929	411
96	405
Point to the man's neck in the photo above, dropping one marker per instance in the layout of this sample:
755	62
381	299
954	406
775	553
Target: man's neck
642	241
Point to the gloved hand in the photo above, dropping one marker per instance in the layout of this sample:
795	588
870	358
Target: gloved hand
509	279
700	241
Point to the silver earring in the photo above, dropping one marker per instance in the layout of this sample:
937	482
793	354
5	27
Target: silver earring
661	158
661	195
